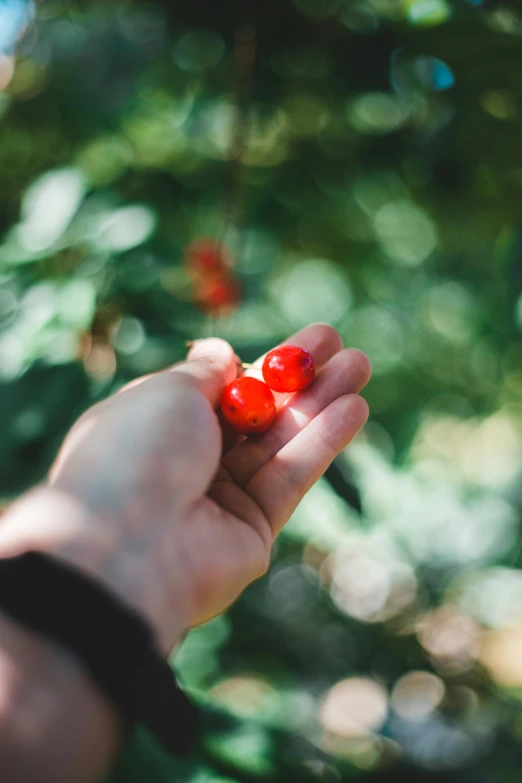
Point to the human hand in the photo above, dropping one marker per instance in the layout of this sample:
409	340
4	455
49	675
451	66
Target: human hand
144	498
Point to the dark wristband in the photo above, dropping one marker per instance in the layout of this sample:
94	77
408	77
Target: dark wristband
113	642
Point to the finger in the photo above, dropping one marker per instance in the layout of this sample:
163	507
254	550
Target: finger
211	364
320	340
346	373
281	484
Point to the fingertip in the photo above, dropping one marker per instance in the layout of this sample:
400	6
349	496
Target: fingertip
352	412
211	363
321	340
211	347
364	367
364	409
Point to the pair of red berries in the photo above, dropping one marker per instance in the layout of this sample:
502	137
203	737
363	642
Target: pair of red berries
248	404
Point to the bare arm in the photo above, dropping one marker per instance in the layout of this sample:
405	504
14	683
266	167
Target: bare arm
143	498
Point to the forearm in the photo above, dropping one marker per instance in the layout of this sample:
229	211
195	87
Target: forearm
54	723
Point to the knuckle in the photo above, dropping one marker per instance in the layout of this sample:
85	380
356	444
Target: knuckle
290	475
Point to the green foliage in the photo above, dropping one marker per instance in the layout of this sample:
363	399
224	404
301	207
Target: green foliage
365	171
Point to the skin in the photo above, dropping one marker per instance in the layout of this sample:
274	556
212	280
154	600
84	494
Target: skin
154	497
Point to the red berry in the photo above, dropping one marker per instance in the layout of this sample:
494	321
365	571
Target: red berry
218	295
248	405
206	256
288	368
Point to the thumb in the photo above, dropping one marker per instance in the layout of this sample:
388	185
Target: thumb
212	364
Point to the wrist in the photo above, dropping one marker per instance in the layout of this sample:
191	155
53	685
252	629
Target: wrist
47	519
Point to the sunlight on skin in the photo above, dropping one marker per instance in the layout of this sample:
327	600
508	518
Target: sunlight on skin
321	341
28	523
346	372
300	419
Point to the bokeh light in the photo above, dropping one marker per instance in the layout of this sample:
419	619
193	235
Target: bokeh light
354	707
416	695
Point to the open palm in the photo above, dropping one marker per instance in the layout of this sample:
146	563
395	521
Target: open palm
261	479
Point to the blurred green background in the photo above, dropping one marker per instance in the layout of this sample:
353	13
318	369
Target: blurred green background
358	162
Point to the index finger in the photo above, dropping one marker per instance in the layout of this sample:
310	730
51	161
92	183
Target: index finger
321	340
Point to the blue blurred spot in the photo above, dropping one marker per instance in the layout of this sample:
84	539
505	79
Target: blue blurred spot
407	75
14	16
434	73
475	2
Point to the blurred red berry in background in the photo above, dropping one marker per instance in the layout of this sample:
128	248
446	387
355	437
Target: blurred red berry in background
218	295
207	256
216	288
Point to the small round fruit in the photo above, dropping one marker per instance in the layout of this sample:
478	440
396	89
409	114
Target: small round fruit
288	368
206	256
248	405
218	295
